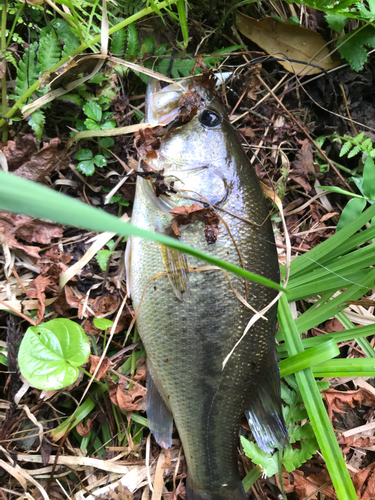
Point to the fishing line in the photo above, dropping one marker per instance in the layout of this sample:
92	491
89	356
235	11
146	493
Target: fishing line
338	275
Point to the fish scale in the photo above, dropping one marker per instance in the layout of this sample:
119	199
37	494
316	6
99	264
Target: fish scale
187	340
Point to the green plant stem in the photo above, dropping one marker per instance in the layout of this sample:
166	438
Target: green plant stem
133	361
4	78
18	13
61	13
81	48
280	463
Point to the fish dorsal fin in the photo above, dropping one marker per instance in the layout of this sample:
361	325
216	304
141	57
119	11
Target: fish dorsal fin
265	415
159	416
177	270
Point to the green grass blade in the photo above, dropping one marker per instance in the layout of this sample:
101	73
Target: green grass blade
317	413
183	22
251	477
41	202
353	333
302	263
306	359
362	342
351	367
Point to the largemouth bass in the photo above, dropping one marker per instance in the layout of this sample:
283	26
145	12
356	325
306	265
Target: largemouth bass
188	315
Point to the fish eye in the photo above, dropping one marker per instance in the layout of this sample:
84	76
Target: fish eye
210	119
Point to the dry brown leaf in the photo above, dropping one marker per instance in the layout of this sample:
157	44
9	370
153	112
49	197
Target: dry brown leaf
364	483
127	399
362	442
26	161
304	486
336	400
141	370
104	367
186	215
84	430
121	492
284	40
302	168
333	325
38	287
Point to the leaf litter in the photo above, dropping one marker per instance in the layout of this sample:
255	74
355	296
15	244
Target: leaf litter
274	136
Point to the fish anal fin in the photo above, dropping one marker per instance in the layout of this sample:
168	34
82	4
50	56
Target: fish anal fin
265	415
159	416
177	270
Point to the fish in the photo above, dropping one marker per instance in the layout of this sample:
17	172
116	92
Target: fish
190	315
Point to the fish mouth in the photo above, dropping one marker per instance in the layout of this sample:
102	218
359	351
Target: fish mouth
162	104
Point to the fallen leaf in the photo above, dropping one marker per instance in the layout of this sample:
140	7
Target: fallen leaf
350	441
281	39
189	104
26	161
119	493
302	168
104	367
333	325
38	287
127	399
364	483
140	375
304	486
336	400
84	430
186	215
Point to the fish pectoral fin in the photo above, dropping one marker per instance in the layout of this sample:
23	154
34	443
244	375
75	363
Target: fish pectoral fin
177	270
159	416
265	415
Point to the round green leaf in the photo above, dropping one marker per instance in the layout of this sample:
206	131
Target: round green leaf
50	353
352	210
84	154
106	142
86	167
91	124
103	323
93	110
100	161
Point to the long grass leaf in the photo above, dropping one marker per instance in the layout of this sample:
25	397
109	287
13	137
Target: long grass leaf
317	413
345	336
362	342
306	359
41	202
351	367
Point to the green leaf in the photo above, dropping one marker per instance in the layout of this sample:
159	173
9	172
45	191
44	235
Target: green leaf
132	42
108	124
86	167
74	98
28	71
354	50
336	22
66	34
118	42
159	51
302	432
102	323
51	352
91	124
352	210
294	21
267	461
311	357
369	178
345	148
36	122
106	142
49	52
103	257
148	46
93	110
354	151
294	458
100	161
84	154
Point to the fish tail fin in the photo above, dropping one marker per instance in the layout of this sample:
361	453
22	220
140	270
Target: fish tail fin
265	415
233	491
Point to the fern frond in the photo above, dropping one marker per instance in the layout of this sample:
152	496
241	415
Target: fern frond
354	151
345	148
118	42
36	122
27	71
70	40
49	52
